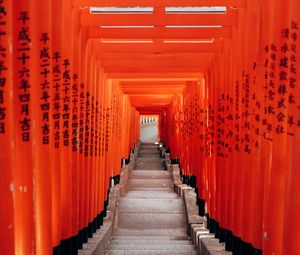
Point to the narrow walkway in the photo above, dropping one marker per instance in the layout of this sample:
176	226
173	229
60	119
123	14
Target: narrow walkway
151	218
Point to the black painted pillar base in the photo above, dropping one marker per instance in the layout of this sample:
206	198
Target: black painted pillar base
222	235
208	221
80	240
201	206
193	182
217	230
99	220
85	235
95	225
236	244
212	225
90	230
66	247
256	251
74	241
57	250
228	240
246	248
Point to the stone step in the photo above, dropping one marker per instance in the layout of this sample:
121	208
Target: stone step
150	174
146	183
151	217
152	247
151	238
141	205
148	167
152	242
150	164
149	221
149	183
135	188
150	232
149	145
146	156
149	149
149	159
120	252
148	152
153	194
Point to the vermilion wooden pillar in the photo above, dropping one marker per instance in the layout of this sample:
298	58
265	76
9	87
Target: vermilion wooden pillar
41	74
292	199
7	185
56	127
23	121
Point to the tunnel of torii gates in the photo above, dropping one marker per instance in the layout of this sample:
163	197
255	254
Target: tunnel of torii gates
225	85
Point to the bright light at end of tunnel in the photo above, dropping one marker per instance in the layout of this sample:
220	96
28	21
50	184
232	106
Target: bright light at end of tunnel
190	41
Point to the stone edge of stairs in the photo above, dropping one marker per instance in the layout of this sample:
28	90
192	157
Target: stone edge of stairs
97	244
205	242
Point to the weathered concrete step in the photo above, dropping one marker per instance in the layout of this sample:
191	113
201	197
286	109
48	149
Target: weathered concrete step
152	247
146	183
150	174
212	246
151	220
134	188
143	156
152	242
150	194
148	159
143	145
150	252
149	150
141	205
151	238
150	232
148	167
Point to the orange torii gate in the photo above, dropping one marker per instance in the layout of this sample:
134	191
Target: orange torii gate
224	82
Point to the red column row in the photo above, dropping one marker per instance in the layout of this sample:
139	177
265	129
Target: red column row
61	130
236	133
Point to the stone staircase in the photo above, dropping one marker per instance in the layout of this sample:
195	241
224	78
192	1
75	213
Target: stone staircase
151	217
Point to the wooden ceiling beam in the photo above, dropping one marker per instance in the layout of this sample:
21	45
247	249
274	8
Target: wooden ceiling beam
149	56
157	83
158	47
159	33
146	71
124	76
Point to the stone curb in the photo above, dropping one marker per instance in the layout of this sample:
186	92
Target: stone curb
97	244
207	243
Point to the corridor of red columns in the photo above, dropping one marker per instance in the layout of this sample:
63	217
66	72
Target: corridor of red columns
222	77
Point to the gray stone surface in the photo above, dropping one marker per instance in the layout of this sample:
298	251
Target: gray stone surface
151	217
161	252
154	242
157	205
142	174
138	220
171	233
211	246
154	194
